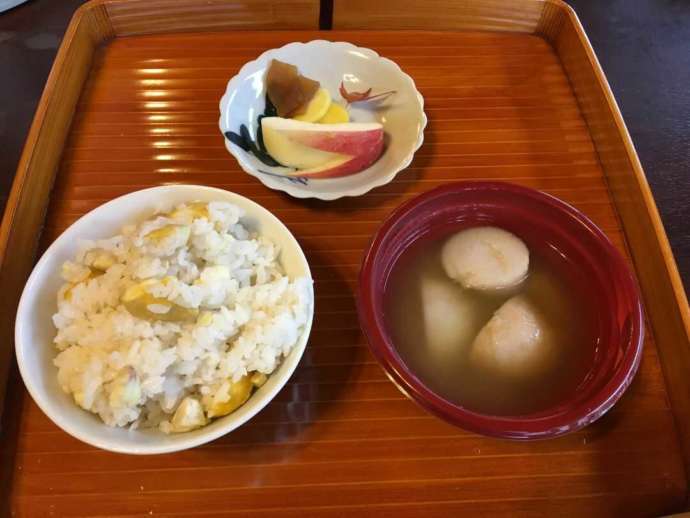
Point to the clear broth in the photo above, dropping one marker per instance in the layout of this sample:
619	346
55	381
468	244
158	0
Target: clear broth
451	374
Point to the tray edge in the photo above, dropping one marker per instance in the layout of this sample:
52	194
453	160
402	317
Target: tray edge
645	235
29	197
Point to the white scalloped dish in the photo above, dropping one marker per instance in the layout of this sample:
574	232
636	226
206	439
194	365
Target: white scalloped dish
330	63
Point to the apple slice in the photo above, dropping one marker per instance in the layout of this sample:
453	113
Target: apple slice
293	154
322	150
346	138
337	168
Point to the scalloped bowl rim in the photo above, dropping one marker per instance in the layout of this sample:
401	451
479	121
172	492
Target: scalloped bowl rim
287	188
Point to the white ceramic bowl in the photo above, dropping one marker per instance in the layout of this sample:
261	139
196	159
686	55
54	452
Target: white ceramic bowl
402	115
34	329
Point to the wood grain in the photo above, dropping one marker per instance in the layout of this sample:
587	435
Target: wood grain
340	438
94	23
658	276
473	15
26	207
158	16
558	24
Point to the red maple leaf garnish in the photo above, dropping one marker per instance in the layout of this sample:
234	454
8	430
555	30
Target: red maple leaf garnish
356	97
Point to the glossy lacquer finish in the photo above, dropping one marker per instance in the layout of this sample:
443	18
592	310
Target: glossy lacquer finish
340	439
575	248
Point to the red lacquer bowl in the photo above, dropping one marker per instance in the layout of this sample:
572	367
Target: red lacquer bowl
547	225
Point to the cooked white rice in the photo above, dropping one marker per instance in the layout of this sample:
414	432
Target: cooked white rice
155	326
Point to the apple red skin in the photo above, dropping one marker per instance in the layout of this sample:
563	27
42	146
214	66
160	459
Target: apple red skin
363	147
368	146
355	165
341	142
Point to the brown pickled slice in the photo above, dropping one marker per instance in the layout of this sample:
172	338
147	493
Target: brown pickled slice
289	91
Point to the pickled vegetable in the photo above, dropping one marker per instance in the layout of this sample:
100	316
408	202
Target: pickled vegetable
316	108
336	114
289	91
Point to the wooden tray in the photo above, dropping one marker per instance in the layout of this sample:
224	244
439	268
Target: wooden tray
513	92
